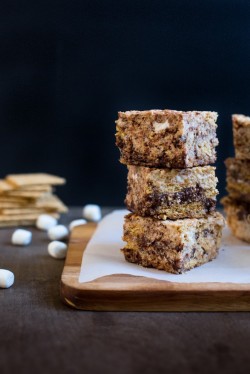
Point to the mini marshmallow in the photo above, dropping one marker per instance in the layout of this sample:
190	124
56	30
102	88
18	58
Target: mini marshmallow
58	232
57	249
6	278
45	222
77	222
21	237
92	212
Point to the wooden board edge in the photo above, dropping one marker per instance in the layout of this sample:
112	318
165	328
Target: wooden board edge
155	301
170	296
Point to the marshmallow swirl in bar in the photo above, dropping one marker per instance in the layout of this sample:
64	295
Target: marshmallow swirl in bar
173	246
171	193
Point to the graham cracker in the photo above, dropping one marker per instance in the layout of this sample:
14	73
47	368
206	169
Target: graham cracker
26	222
51	201
36	187
22	217
28	194
20	180
23	211
5	186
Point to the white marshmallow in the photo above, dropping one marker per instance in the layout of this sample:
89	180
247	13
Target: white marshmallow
57	249
6	278
77	222
45	222
92	212
58	232
21	237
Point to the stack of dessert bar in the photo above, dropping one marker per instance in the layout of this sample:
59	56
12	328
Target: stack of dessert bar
237	203
171	188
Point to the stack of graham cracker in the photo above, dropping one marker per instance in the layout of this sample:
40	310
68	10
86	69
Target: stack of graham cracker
237	203
23	197
171	188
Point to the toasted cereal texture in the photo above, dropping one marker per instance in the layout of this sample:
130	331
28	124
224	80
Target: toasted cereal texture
241	134
167	138
238	179
171	193
238	217
173	246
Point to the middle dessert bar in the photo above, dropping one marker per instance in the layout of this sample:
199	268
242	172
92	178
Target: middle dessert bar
171	193
238	179
173	246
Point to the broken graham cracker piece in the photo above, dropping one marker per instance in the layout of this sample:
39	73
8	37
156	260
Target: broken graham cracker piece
173	246
167	138
18	222
21	216
13	199
241	136
20	180
51	201
171	193
6	204
28	194
21	219
25	210
5	186
238	179
37	187
238	217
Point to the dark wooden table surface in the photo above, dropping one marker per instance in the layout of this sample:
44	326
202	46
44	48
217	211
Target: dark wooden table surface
39	334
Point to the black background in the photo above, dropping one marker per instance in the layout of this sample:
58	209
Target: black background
67	67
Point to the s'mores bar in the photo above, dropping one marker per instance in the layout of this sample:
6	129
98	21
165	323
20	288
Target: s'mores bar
241	134
173	246
238	179
238	217
167	138
171	193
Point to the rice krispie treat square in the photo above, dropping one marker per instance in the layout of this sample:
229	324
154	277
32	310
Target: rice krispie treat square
167	138
173	246
171	193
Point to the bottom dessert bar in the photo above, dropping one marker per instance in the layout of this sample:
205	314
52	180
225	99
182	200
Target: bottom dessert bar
173	246
238	217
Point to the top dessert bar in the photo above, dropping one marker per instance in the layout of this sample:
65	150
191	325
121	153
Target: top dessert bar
241	132
167	138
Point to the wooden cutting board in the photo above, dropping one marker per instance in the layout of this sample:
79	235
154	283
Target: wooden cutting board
130	293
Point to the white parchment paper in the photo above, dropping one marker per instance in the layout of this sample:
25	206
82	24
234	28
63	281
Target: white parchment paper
102	256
